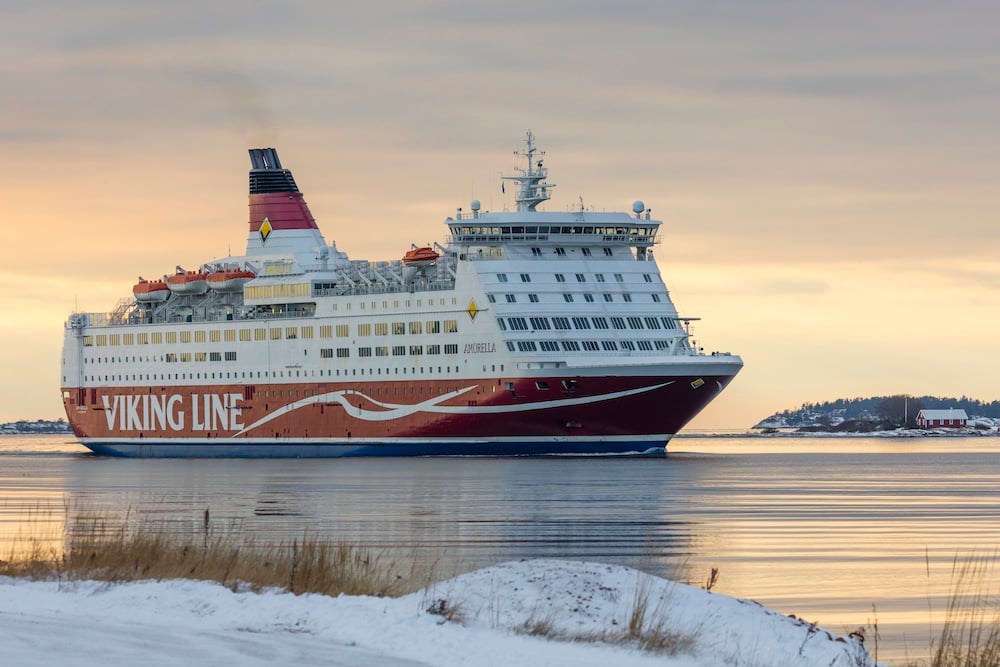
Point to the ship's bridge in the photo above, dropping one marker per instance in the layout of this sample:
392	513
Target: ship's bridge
579	228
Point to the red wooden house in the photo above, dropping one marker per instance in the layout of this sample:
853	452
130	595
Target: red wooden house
950	418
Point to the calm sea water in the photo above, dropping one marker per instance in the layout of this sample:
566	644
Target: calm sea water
838	531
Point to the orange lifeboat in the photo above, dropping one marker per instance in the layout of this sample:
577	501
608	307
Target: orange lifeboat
150	291
420	257
188	282
230	280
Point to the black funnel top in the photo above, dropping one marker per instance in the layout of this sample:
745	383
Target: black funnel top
266	174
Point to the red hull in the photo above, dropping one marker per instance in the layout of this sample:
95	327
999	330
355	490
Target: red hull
439	409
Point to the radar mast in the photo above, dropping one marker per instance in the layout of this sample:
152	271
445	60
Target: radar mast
533	189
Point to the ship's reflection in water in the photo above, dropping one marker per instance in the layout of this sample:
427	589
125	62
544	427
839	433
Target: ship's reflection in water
457	513
822	529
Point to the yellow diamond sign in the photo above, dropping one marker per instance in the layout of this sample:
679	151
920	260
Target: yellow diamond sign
472	310
265	230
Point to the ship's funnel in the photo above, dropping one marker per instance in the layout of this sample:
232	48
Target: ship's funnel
274	197
281	225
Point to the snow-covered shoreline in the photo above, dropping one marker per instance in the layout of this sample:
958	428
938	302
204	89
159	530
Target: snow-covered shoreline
182	622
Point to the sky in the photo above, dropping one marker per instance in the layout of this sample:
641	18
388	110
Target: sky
826	172
195	623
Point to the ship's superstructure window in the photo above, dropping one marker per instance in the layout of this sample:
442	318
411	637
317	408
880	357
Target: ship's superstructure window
365	329
326	331
306	332
626	297
382	351
537	252
291	333
171	338
656	298
645	345
635	323
571	346
581	323
549	346
491	298
230	356
433	349
275	333
600	323
364	352
518	323
609	345
560	322
451	326
433	326
511	298
343	352
398	350
648	278
381	328
278	291
608	252
398	328
599	277
502	277
560	278
326	353
214	356
652	323
526	346
539	323
580	278
590	345
561	252
628	345
568	298
533	298
585	251
451	348
416	327
588	297
525	278
619	278
343	331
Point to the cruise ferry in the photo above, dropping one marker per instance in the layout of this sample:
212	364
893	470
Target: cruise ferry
526	332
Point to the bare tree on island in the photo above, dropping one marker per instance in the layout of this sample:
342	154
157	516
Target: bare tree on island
900	410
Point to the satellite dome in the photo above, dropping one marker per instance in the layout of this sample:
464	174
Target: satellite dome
638	206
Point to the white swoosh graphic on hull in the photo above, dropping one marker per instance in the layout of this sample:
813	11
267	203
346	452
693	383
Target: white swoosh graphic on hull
398	411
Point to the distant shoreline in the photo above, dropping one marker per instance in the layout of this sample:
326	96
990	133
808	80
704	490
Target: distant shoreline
895	433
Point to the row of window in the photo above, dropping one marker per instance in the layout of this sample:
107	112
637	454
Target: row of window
563	323
252	375
272	333
569	298
580	277
373	305
588	345
384	351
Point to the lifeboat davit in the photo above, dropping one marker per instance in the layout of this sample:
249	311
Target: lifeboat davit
188	282
420	257
230	280
150	291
